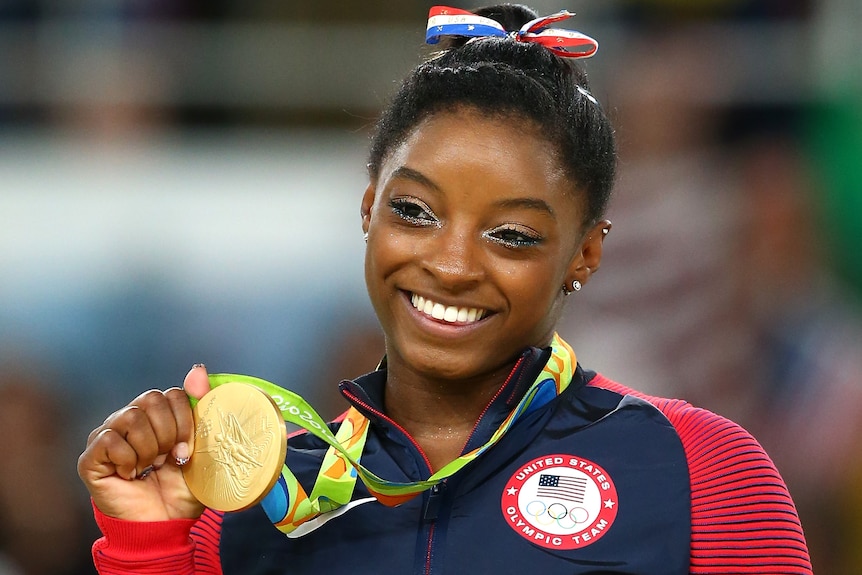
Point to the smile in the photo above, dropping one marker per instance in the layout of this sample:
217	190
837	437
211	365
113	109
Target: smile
447	313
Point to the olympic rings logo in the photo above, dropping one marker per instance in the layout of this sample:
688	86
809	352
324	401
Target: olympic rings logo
556	512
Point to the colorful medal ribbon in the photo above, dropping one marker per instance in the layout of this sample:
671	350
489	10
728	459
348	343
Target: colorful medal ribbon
446	21
288	505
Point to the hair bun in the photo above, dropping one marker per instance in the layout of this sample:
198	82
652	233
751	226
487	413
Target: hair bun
510	16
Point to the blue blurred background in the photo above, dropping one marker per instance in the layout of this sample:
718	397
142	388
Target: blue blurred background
180	183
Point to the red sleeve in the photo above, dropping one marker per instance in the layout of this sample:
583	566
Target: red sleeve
742	517
178	547
206	533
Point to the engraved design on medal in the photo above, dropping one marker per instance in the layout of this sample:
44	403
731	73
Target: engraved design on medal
239	447
235	448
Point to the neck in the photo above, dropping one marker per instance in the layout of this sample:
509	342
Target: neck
439	414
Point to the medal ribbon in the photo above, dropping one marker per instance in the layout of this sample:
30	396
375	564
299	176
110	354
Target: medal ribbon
288	505
446	21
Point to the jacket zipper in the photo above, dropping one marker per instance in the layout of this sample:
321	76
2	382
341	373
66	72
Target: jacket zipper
489	404
430	546
432	506
435	494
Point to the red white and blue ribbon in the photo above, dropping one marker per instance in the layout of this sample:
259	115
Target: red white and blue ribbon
446	21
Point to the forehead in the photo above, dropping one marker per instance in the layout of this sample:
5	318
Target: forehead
465	144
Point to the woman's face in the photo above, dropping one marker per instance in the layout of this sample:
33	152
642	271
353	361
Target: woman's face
472	232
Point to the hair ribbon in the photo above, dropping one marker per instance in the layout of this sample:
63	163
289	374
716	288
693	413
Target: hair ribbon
446	21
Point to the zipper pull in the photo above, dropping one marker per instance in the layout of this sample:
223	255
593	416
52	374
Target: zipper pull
435	497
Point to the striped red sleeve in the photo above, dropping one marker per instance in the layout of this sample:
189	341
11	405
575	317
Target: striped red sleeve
742	517
178	547
206	533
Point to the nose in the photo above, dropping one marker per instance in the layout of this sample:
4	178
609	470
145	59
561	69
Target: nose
455	259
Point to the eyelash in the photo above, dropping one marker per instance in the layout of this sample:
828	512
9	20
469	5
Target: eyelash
401	206
525	238
502	235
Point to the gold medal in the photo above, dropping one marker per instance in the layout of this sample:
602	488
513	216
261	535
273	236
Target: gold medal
239	447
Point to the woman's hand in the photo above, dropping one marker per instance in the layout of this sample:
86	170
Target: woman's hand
132	463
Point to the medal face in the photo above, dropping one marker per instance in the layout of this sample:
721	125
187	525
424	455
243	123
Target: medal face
240	444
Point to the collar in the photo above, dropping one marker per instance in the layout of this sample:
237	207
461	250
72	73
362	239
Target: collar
366	394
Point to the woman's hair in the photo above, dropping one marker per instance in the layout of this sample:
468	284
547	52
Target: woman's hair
514	81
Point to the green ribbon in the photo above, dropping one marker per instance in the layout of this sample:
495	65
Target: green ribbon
288	505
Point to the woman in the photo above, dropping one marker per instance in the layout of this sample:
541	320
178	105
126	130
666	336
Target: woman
489	175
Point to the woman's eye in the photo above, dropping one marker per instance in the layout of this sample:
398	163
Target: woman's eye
414	211
514	237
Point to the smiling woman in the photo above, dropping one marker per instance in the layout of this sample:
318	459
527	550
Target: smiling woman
482	445
470	212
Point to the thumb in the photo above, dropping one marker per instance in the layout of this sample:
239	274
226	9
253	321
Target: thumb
197	382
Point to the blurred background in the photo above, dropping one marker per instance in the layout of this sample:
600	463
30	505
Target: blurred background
180	183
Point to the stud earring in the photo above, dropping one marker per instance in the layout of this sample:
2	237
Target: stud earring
576	286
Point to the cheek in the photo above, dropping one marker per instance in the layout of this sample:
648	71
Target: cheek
374	274
532	285
385	254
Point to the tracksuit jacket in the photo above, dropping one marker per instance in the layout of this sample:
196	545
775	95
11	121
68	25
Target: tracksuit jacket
600	479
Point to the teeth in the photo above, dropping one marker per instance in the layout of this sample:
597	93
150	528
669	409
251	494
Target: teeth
438	311
449	314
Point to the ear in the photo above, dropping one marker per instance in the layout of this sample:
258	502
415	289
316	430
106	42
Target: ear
367	205
589	255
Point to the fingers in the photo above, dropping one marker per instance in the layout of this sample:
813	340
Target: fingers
160	436
197	382
108	454
157	426
141	435
179	402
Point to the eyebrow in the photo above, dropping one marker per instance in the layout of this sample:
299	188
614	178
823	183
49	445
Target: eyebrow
508	203
418	177
529	203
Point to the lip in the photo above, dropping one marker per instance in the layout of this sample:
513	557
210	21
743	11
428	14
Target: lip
442	324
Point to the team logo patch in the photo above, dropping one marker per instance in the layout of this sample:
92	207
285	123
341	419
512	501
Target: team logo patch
560	502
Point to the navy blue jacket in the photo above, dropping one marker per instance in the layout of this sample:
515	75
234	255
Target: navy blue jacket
601	479
470	525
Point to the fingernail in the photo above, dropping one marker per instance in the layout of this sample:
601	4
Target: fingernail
147	470
199	365
182	453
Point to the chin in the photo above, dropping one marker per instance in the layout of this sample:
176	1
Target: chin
455	362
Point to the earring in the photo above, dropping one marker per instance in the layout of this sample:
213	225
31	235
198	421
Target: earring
576	286
366	237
